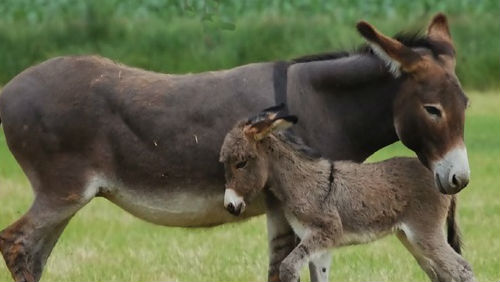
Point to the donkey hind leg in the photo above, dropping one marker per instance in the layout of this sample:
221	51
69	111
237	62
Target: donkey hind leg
281	238
319	267
446	263
27	243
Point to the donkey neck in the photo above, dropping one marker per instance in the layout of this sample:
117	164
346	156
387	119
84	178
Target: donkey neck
293	174
345	105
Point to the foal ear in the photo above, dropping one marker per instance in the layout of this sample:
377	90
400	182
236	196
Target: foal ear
267	114
396	55
284	122
261	129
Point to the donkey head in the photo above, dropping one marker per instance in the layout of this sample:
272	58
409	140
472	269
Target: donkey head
429	109
245	164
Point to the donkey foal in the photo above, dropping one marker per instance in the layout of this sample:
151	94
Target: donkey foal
333	204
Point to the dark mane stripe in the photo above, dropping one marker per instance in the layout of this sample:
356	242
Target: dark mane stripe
321	57
410	39
298	145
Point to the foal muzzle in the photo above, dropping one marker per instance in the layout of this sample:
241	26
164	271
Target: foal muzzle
233	202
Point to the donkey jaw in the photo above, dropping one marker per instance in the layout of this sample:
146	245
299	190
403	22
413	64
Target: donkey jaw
233	202
452	172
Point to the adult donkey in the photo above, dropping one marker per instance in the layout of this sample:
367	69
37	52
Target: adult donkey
82	127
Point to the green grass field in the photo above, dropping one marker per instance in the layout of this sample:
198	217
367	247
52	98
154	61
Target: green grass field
104	243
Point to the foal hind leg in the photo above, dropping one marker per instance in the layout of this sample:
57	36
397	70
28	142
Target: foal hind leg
446	263
424	263
450	266
27	243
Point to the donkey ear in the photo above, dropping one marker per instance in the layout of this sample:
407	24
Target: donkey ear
438	29
261	129
396	55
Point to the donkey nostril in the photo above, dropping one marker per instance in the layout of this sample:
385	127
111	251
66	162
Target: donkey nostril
230	207
455	181
237	210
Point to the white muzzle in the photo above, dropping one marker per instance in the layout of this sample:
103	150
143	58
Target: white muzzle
233	202
452	172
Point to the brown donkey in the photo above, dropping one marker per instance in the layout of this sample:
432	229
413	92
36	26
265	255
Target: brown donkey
332	204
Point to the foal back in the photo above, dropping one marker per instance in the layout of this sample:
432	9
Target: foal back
385	195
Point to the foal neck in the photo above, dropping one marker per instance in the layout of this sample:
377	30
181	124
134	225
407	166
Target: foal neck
293	173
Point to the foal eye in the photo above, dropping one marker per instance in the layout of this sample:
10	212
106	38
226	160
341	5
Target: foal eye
241	164
433	110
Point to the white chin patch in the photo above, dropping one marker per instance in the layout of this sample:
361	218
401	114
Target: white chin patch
454	164
230	196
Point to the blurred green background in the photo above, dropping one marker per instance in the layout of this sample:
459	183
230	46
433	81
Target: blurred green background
191	36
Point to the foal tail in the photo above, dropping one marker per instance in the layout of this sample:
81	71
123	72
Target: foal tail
453	229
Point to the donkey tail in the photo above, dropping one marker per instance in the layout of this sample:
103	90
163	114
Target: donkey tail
454	236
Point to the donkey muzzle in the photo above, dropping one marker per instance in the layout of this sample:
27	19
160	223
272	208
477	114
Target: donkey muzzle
233	202
452	172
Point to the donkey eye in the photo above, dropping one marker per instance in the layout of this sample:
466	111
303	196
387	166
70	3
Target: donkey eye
432	110
241	164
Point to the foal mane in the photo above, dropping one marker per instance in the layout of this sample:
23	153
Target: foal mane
414	39
298	145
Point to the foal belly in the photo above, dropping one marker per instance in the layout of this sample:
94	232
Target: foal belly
355	238
187	206
348	237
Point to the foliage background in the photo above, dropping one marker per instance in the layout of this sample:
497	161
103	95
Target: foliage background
190	36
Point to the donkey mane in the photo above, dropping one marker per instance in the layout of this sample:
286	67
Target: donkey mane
298	145
413	39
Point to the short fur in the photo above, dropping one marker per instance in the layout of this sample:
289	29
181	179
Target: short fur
342	203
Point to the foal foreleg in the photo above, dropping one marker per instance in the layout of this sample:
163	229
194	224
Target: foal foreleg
310	247
315	245
281	238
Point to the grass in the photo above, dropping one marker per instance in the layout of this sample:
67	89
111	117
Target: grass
104	243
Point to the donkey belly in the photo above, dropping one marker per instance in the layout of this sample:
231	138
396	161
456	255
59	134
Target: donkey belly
186	206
